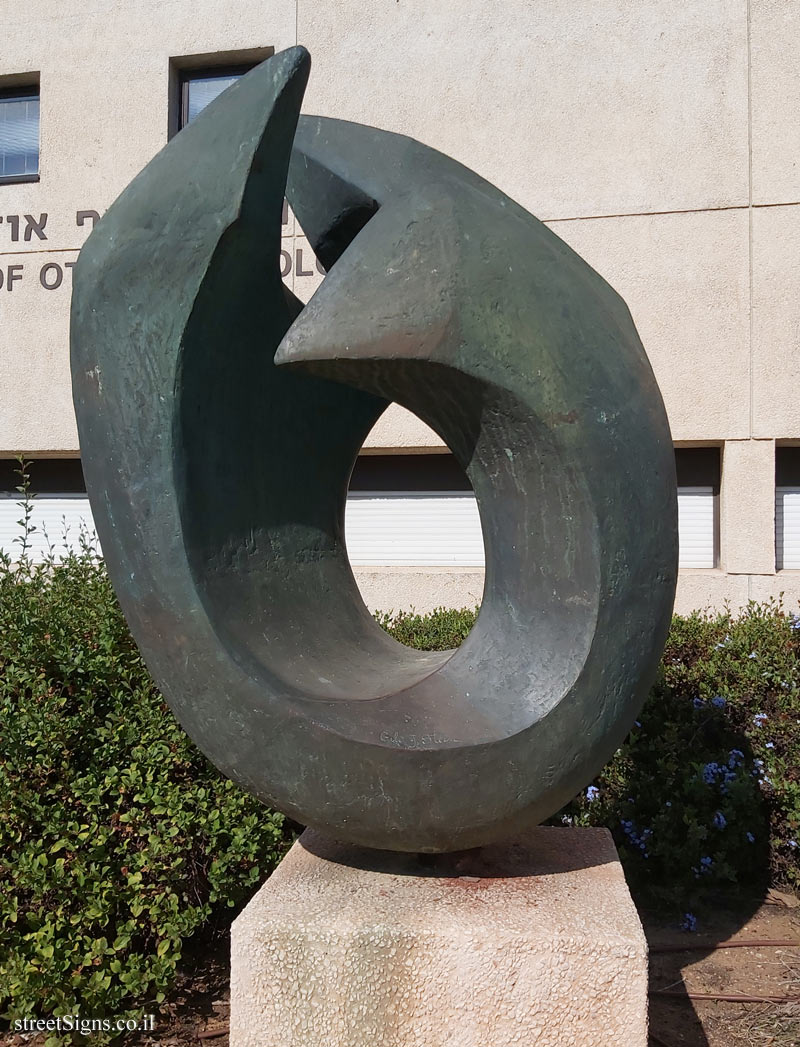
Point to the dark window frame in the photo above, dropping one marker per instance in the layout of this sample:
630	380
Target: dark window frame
23	91
787	465
429	472
47	476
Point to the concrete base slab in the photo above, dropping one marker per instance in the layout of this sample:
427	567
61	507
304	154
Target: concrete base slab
531	942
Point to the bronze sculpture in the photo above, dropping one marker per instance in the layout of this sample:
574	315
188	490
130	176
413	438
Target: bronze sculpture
219	421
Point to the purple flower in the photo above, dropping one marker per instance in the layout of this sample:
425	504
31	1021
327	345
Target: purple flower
752	655
760	719
689	922
770	745
592	793
698	703
718	702
706	862
750	838
710	772
735	758
720	821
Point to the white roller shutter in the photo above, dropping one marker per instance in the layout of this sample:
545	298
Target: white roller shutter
408	528
696	527
57	517
787	528
413	529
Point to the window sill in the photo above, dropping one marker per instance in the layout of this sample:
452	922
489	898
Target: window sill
16	179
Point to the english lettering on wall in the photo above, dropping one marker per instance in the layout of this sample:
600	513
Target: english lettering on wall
27	228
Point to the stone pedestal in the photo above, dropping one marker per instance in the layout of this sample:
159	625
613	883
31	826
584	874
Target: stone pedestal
532	942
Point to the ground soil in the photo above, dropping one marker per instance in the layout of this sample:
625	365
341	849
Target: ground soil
679	1021
197	1011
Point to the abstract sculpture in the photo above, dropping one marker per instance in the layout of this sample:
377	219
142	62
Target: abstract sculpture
220	419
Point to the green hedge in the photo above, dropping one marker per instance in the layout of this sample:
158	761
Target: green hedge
118	840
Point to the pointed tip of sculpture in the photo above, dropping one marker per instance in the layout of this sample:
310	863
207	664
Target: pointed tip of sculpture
295	61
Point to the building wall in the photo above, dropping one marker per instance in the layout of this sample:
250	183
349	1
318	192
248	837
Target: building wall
660	140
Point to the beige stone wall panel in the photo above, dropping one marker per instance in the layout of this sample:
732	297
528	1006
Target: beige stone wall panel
776	322
747	507
573	107
775	86
420	589
685	278
35	391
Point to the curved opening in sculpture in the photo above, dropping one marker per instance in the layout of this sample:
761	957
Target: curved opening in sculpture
268	554
273	570
413	530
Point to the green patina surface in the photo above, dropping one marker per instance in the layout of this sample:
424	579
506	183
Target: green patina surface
220	419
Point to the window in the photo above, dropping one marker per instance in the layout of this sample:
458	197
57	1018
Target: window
60	507
19	134
199	87
698	470
420	510
787	508
412	510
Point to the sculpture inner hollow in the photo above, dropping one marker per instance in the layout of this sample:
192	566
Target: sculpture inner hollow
273	570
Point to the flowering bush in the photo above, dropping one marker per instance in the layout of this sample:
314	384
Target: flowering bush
705	792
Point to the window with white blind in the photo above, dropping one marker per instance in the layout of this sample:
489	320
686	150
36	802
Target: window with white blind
413	528
698	470
787	508
402	510
412	510
60	512
19	135
696	527
57	522
420	523
199	87
196	80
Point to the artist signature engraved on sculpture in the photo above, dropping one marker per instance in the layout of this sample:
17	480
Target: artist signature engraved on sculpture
414	741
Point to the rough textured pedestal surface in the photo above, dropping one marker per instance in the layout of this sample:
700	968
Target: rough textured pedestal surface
532	942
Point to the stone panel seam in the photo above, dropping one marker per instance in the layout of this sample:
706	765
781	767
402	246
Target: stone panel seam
750	440
657	214
46	250
750	216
